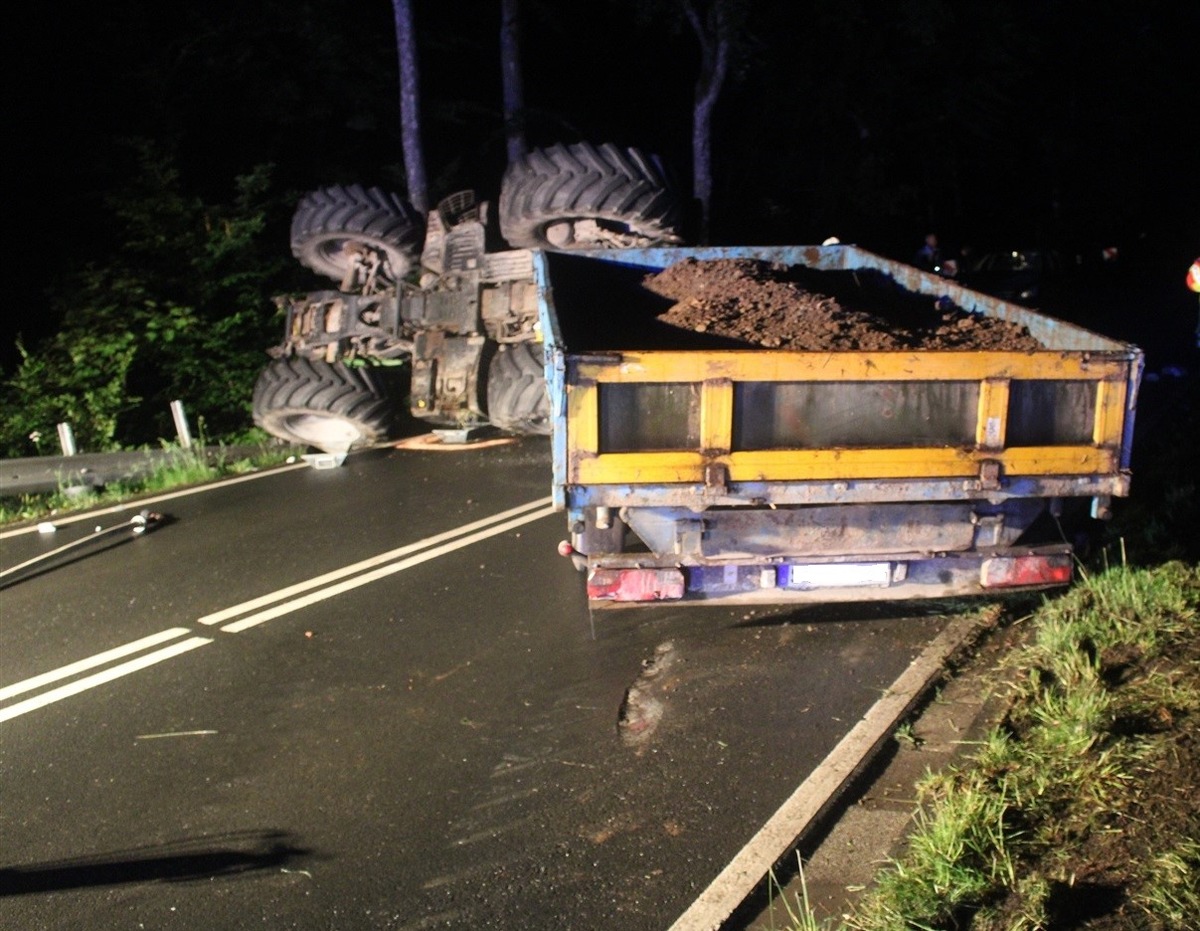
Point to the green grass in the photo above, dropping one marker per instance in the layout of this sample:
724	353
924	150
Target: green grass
799	916
1077	775
1171	890
181	468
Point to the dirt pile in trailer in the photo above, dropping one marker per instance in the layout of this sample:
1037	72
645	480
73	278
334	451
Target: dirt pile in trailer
787	307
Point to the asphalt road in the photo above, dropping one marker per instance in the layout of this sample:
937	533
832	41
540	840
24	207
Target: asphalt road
194	735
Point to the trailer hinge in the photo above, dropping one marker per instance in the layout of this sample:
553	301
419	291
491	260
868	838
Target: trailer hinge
688	536
1102	507
716	477
989	475
989	529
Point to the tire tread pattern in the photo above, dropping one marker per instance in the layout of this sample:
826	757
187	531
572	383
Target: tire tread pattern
517	395
353	211
299	386
603	182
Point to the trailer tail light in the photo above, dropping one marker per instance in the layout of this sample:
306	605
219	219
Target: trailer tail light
1013	571
635	584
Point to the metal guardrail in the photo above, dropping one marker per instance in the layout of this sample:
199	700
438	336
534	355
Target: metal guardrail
93	470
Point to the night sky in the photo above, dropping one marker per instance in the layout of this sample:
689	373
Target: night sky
1058	124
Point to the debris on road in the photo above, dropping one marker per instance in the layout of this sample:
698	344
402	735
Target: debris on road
642	709
138	524
438	443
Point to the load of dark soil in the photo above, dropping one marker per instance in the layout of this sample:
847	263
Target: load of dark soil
774	306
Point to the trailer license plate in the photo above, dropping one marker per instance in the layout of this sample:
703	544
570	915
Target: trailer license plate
836	575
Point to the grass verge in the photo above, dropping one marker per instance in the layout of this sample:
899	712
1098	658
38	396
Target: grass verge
181	468
1080	809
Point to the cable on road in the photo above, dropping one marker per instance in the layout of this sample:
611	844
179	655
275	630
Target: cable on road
138	524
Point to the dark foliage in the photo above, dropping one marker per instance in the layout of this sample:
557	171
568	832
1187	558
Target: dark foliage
1059	123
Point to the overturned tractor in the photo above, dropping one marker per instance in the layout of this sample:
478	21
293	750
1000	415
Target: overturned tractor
462	316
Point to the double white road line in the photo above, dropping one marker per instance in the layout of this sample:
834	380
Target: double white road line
256	611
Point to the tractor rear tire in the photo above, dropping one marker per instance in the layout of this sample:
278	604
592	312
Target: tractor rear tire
332	407
586	196
334	228
517	395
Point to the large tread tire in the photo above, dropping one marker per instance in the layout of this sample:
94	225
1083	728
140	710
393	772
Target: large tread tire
334	227
332	407
517	395
586	196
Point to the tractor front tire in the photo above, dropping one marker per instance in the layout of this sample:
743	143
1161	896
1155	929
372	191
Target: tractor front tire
332	407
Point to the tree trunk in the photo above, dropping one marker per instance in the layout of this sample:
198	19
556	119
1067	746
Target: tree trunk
712	32
510	74
410	117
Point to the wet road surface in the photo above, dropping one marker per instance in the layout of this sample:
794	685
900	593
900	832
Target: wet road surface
377	700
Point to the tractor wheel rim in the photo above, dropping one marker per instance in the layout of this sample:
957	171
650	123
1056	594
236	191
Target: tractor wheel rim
324	431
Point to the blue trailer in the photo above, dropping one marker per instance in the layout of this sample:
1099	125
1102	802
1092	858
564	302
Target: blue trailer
765	476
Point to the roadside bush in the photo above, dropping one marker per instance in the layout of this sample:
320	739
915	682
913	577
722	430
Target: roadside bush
179	309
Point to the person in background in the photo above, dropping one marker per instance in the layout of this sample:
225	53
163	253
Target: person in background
929	256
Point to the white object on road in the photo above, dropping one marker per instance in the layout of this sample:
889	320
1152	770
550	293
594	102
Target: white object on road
139	523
